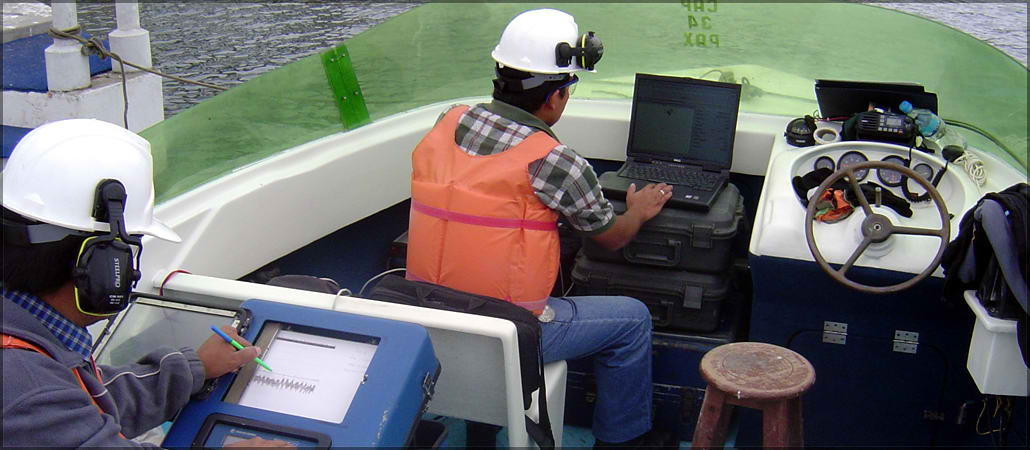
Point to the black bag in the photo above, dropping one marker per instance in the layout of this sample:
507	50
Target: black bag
306	283
395	289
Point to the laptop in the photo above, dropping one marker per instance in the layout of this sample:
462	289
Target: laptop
681	133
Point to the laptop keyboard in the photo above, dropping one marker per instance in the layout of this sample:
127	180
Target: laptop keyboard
686	176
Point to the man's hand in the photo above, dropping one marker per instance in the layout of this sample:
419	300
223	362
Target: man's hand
641	206
220	357
258	442
647	202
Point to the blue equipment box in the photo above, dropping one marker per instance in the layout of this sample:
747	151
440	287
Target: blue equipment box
338	380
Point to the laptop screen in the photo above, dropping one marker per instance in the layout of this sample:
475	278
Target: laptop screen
684	120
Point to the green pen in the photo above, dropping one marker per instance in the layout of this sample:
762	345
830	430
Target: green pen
237	345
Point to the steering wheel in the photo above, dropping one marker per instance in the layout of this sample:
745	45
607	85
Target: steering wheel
877	228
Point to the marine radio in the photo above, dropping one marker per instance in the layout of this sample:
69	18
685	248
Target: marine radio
885	127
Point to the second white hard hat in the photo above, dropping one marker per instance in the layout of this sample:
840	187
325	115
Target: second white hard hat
546	41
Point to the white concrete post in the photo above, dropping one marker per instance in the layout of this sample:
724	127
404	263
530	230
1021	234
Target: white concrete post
67	68
129	40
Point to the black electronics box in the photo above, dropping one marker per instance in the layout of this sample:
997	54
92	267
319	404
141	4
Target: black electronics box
686	239
839	98
677	299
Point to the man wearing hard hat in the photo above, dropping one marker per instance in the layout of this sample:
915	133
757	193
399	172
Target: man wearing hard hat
488	185
77	196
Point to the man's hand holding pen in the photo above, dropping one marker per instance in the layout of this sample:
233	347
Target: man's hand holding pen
220	357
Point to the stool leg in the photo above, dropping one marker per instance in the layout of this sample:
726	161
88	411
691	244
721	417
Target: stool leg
797	437
713	422
776	424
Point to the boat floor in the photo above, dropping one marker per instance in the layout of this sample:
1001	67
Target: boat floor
454	437
572	436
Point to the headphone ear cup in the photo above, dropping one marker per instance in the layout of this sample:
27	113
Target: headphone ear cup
103	276
80	272
591	50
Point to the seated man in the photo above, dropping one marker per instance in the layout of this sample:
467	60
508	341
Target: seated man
488	185
77	197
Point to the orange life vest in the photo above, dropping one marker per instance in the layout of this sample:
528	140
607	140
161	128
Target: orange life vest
476	224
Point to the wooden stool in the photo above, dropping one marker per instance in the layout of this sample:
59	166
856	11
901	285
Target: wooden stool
758	376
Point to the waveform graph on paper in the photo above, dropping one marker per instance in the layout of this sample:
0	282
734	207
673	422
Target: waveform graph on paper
286	382
312	376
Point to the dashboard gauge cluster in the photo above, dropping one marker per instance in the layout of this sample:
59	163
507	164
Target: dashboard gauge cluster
890	178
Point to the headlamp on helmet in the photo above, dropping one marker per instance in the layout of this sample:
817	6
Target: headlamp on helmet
587	52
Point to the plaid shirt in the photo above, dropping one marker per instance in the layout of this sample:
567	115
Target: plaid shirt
563	180
76	338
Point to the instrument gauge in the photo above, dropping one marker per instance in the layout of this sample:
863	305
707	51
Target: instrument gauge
825	162
851	158
924	170
889	177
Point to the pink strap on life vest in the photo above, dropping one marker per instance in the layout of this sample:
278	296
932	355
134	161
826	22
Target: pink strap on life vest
494	222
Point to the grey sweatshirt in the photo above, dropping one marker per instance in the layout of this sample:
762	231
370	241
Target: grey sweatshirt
43	404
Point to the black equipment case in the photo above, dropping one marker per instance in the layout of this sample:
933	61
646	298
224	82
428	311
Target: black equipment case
684	239
677	299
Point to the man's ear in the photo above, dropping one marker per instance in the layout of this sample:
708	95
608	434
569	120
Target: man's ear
552	100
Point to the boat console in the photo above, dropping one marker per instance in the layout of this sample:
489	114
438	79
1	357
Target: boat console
890	353
780	217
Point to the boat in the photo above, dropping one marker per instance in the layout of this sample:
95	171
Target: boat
306	169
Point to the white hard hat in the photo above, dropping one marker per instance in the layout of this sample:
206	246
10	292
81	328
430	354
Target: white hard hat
533	42
53	173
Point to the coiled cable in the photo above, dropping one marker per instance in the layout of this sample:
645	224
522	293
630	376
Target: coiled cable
974	167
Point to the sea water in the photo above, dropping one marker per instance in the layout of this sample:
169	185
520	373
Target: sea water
228	43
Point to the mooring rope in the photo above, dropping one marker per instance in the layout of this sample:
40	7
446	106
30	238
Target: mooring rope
94	46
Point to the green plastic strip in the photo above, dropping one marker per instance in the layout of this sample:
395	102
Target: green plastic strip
344	84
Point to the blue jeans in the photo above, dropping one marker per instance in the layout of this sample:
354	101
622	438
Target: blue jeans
616	331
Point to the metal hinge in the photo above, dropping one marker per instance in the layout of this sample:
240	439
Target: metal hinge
835	332
428	386
906	341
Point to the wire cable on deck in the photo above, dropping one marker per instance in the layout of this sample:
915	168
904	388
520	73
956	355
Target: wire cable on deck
94	46
974	167
370	280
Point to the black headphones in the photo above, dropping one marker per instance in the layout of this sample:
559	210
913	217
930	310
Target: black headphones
104	273
587	53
